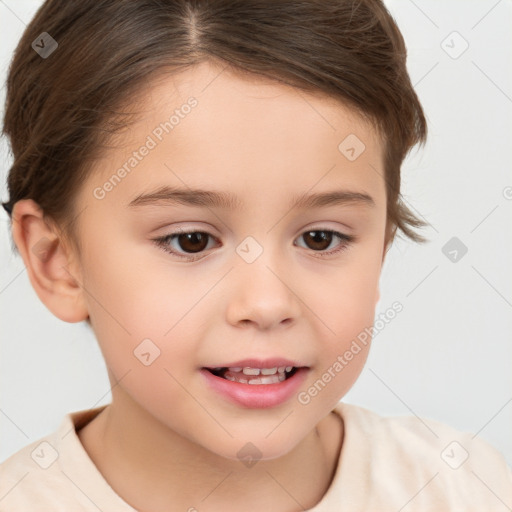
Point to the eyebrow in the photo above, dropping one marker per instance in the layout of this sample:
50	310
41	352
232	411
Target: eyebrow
217	199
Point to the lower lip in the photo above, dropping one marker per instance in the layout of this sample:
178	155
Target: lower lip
256	396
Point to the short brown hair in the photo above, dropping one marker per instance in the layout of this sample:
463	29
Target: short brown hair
60	110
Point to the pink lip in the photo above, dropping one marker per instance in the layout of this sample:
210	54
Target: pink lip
257	396
259	363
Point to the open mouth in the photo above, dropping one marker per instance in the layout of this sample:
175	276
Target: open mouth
254	375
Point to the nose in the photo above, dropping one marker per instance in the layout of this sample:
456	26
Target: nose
262	293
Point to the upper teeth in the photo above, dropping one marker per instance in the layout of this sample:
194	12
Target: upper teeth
261	371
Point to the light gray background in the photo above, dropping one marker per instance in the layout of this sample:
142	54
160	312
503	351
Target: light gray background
448	354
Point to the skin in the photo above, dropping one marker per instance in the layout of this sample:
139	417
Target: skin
167	438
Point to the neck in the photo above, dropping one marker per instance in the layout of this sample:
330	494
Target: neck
173	470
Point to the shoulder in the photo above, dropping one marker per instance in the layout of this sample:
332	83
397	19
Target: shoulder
31	476
54	474
427	460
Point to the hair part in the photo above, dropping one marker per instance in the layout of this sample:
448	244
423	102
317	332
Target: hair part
62	112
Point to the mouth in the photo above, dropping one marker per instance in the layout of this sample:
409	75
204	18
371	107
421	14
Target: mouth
256	384
249	375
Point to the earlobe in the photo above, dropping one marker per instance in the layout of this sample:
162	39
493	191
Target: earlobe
50	264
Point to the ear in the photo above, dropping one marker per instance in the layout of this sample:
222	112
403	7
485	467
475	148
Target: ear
51	267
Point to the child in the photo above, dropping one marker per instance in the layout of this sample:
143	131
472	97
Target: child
271	134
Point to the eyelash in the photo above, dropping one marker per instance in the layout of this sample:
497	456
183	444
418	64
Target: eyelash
163	242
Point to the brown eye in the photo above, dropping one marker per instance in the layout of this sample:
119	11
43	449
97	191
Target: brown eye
182	243
193	242
318	240
187	244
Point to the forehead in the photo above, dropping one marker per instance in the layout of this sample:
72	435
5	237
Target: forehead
255	104
211	128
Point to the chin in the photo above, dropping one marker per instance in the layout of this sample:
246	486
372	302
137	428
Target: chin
251	450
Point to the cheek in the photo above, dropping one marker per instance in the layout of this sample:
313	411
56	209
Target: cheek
125	290
138	308
348	298
347	307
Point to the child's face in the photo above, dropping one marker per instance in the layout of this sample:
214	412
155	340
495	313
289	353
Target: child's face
260	287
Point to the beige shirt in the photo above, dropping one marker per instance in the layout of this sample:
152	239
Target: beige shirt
386	464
